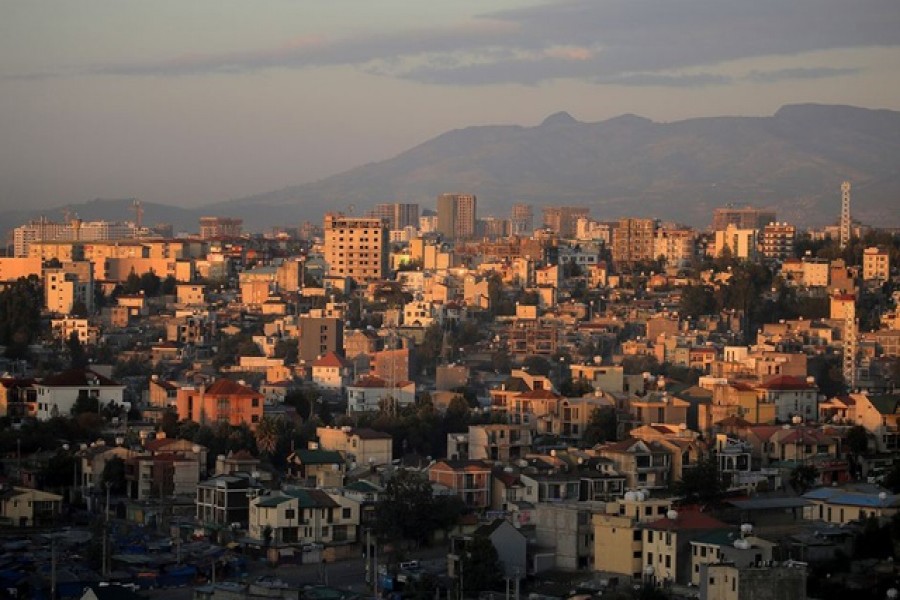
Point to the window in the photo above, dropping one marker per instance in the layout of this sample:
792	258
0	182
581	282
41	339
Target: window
346	513
290	513
668	561
649	537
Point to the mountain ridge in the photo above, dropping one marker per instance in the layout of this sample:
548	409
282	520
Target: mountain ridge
792	161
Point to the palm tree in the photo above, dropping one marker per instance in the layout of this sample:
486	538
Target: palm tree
267	432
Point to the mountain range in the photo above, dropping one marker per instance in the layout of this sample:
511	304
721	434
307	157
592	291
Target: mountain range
793	161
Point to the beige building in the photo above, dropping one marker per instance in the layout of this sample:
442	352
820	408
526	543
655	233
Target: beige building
67	286
634	241
738	243
359	445
304	516
723	581
876	264
24	507
618	544
356	247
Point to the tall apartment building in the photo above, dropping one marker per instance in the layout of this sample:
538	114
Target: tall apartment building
42	230
747	217
493	228
675	245
220	227
634	241
521	221
397	215
777	241
876	264
356	247
456	216
564	219
319	336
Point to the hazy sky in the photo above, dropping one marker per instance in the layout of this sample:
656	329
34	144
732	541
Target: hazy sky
193	101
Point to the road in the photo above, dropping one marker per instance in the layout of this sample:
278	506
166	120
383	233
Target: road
346	574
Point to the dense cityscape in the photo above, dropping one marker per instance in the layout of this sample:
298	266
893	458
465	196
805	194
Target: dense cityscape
419	402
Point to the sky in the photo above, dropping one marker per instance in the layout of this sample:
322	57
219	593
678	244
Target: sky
188	102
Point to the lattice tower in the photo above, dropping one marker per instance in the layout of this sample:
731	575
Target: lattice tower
849	363
845	214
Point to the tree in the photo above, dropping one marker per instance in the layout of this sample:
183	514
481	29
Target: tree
407	509
603	426
267	432
114	475
803	477
702	482
77	356
697	300
481	569
858	440
537	365
20	315
85	404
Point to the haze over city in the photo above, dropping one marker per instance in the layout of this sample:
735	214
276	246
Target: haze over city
191	103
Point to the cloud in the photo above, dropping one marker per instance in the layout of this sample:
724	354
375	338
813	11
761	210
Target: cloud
626	42
800	73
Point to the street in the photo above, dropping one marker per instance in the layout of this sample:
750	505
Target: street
346	575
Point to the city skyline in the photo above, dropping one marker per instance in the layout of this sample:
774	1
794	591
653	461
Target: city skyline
187	105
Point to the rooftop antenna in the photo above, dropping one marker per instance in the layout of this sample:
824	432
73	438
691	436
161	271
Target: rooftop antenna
138	213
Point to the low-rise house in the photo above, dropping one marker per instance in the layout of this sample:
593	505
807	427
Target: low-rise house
314	464
643	464
332	372
299	515
468	479
499	441
566	527
224	500
841	506
24	507
792	396
368	393
224	400
358	445
739	548
56	395
726	581
508	541
161	476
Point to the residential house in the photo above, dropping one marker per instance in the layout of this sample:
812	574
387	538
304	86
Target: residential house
567	528
223	500
643	464
224	400
739	548
792	396
508	541
468	479
315	464
841	505
499	441
56	395
357	444
332	372
368	392
24	507
304	516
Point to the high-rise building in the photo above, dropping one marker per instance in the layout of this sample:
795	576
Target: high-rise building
457	214
493	228
397	215
747	217
521	220
564	219
737	243
777	241
633	241
212	228
356	247
675	245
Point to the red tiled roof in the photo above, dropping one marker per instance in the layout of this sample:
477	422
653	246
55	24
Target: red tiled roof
370	381
687	520
227	387
734	421
540	395
78	378
331	359
786	382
